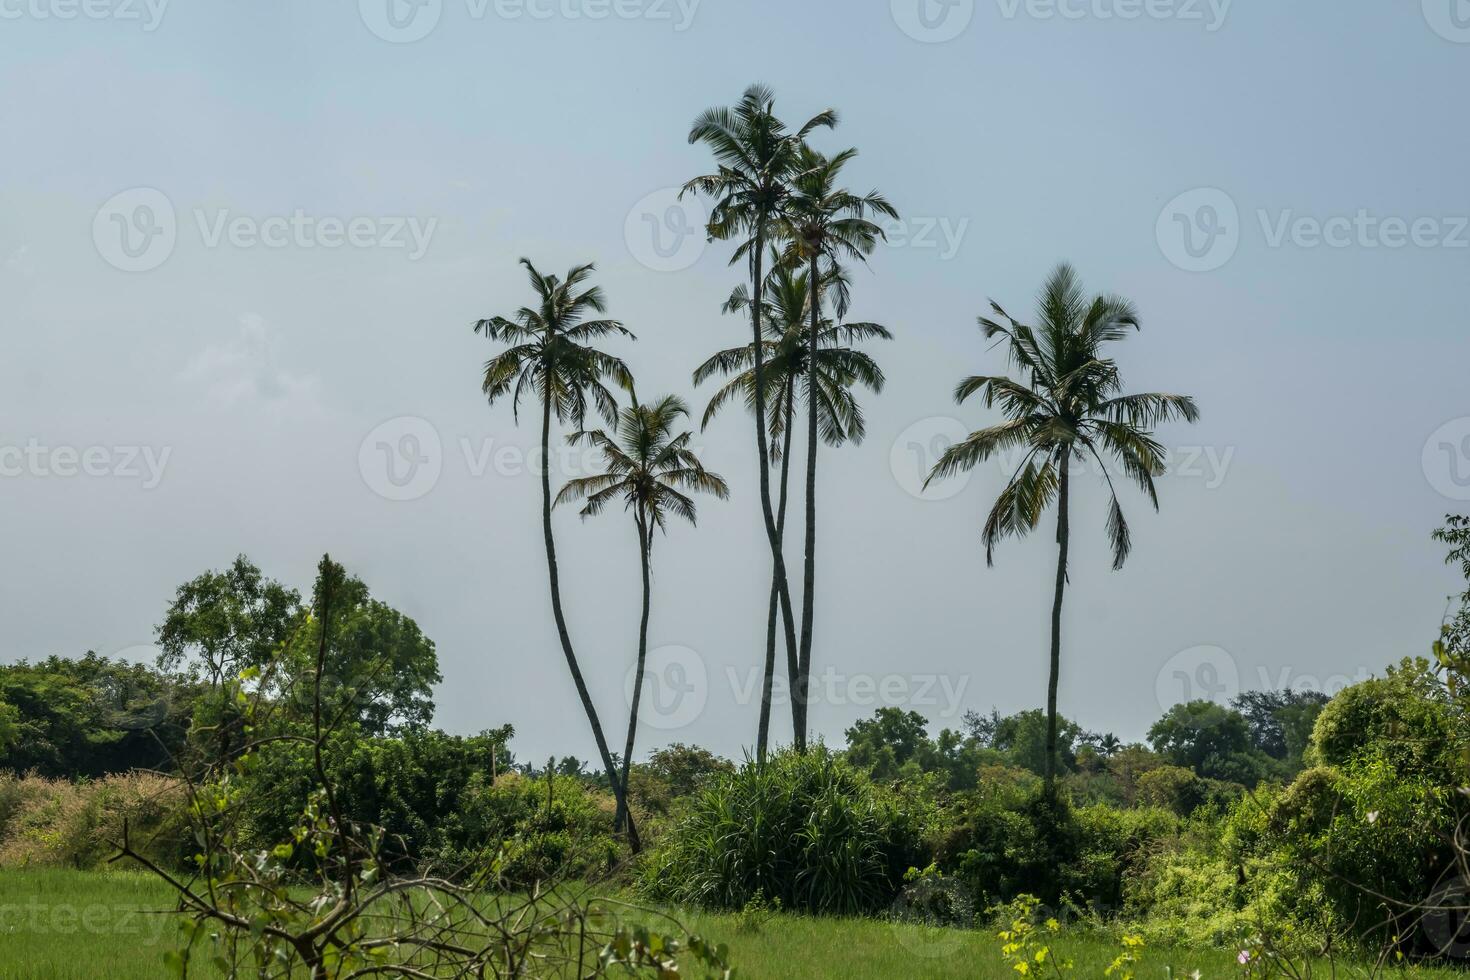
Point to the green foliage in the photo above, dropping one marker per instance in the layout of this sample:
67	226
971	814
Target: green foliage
1402	718
221	623
805	830
90	717
1212	740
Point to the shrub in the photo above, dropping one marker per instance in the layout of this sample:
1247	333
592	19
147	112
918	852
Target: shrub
1400	718
56	823
806	831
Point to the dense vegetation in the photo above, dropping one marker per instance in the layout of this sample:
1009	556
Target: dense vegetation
281	749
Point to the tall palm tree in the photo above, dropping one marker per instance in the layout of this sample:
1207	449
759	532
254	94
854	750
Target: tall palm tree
1065	408
652	470
839	368
551	357
824	223
756	157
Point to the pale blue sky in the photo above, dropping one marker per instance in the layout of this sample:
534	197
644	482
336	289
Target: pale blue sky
1302	549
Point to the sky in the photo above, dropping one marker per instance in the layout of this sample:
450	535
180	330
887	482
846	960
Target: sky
242	247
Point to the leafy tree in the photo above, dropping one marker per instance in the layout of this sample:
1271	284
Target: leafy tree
686	767
551	356
382	669
788	366
651	470
222	622
1280	722
1456	534
1212	740
68	718
824	224
757	159
1068	408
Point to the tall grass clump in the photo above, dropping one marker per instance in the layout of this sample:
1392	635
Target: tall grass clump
58	823
805	832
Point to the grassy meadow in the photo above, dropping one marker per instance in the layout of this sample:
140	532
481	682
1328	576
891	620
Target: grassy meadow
77	925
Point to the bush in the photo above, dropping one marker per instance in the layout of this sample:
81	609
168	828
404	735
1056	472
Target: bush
806	831
1401	719
56	823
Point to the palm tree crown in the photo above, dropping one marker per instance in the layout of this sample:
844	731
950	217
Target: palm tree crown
840	366
1067	408
648	467
550	354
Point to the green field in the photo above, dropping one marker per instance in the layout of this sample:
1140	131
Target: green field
80	926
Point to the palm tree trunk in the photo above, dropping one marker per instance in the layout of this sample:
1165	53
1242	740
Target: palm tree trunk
778	561
1063	536
809	569
763	737
644	546
561	624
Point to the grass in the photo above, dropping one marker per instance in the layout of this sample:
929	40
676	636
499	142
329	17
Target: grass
73	925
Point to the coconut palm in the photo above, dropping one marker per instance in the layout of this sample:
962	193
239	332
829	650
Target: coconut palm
552	359
1065	408
823	224
652	470
839	368
756	157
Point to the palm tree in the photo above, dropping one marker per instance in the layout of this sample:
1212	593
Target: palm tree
786	356
823	223
651	470
551	357
1109	745
1066	408
757	158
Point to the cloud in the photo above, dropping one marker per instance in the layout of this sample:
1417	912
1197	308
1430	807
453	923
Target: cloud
245	371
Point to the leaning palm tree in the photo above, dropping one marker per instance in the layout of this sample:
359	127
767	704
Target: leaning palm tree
757	158
839	368
823	224
1066	408
551	358
652	471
